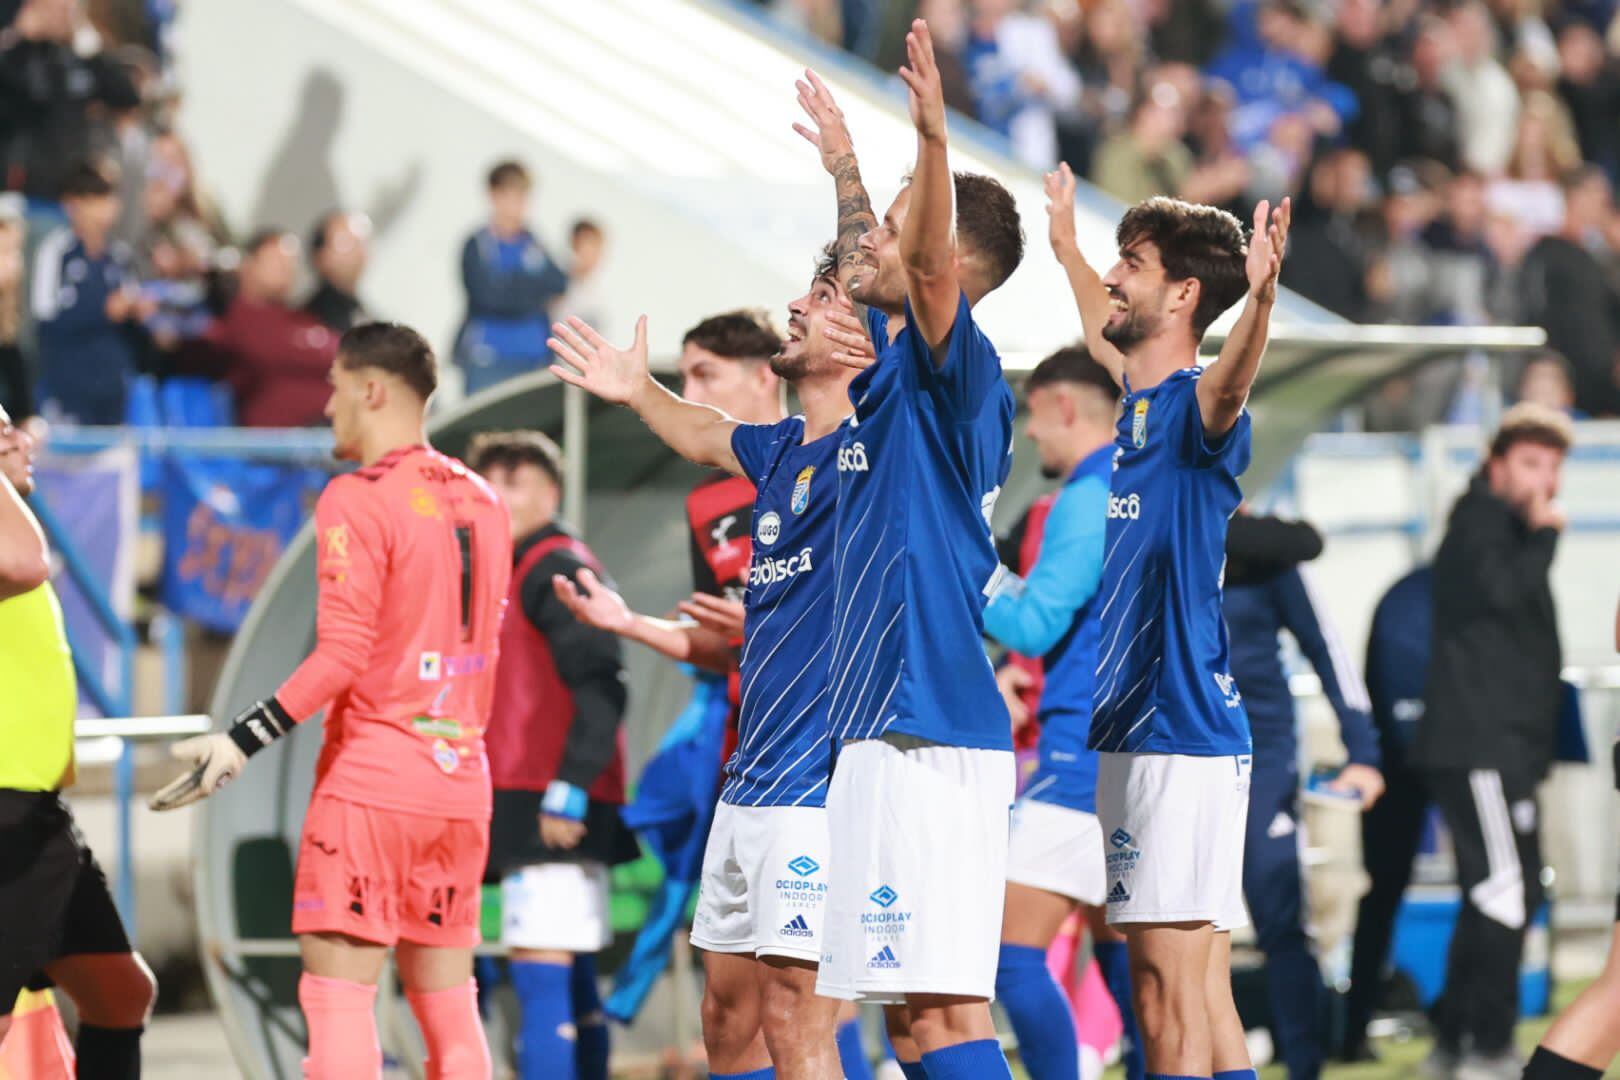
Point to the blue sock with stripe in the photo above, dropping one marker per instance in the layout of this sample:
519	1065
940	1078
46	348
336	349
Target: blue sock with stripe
766	1073
980	1059
1115	962
852	1053
1039	1013
546	1039
592	1046
1238	1074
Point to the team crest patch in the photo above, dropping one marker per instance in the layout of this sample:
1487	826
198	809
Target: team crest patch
1139	423
445	756
801	489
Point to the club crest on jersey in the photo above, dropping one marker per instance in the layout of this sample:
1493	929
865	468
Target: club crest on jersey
1139	423
770	527
801	489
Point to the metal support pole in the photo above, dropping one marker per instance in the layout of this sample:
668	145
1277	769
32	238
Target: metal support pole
576	423
125	784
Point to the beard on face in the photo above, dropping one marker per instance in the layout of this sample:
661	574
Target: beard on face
1130	332
790	367
1051	472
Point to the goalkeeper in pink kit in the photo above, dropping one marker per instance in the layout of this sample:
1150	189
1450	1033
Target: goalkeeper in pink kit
414	554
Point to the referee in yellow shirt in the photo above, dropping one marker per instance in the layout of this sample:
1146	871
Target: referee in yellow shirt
57	919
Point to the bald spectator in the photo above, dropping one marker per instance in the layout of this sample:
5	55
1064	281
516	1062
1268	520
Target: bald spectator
274	357
339	245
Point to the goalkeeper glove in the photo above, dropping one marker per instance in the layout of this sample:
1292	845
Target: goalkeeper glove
217	757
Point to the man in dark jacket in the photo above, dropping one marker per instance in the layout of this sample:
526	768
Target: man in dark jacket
1490	726
49	99
1567	293
556	759
1266	593
339	245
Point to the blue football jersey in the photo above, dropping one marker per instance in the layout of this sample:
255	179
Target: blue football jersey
783	751
1164	684
919	469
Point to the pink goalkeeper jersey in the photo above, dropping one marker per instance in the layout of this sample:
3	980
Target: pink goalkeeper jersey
414	556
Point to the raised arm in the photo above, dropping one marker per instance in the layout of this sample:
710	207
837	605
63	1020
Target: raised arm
830	136
1223	389
928	235
700	434
1090	295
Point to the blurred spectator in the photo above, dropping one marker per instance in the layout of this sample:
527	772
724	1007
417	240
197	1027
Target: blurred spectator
1546	382
1590	86
1328	256
1181	31
48	94
339	245
1367	60
1108	57
1147	158
584	296
1220	174
179	240
511	283
1428	118
1460	254
1568	294
1273	61
84	299
948	24
1401	281
1486	101
1019	78
16	380
1544	149
275	357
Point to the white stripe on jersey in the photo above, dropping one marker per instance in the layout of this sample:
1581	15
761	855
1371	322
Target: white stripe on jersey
843	637
778	730
764	664
1139	723
738	791
855	708
1351	685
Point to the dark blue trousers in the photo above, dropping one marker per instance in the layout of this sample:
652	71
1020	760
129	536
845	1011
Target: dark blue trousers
1274	888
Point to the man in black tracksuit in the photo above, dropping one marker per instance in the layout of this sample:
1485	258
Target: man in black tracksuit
1490	727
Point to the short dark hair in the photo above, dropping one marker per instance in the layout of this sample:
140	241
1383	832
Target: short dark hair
1528	422
260	237
394	348
987	224
1201	242
90	179
737	335
507	173
584	225
1072	364
509	449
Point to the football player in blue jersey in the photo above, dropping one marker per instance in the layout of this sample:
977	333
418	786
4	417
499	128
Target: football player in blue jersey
1055	852
924	775
1167	718
765	871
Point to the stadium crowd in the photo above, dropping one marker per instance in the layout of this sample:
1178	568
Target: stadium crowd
1452	161
115	264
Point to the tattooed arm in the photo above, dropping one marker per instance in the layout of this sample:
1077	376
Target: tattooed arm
830	136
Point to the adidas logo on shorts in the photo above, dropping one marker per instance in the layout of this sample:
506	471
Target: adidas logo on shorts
797	927
885	958
1119	893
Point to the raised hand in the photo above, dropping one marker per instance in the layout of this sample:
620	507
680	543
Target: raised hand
1060	210
853	346
592	364
830	134
1266	246
921	75
593	603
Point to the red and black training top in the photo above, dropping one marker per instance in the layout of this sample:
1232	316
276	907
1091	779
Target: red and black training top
720	528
